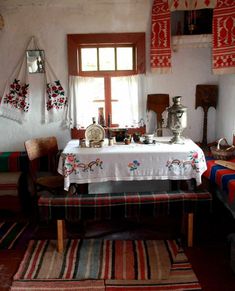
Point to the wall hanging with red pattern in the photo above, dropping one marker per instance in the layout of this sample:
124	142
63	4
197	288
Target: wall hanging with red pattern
15	102
223	33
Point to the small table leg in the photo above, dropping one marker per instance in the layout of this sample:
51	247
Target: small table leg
60	235
190	229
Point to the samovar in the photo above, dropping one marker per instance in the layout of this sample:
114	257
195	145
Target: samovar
177	120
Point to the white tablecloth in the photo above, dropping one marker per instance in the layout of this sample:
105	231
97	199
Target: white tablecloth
160	161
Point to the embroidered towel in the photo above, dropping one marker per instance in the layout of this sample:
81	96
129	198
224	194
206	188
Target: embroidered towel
55	97
224	38
160	52
15	101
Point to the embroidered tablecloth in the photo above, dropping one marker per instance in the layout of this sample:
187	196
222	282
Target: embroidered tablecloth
160	161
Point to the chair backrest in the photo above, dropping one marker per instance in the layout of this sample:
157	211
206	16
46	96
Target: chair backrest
42	147
158	103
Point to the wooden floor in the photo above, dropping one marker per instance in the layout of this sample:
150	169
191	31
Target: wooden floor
210	255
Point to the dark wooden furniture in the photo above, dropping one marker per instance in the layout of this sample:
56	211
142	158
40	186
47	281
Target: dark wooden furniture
13	179
158	103
36	149
206	97
106	206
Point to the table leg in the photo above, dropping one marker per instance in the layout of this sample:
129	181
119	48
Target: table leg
190	229
174	185
60	235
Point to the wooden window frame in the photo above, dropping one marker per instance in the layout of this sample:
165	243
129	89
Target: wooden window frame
77	41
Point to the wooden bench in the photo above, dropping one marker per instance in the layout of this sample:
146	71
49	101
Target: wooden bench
96	206
220	180
12	167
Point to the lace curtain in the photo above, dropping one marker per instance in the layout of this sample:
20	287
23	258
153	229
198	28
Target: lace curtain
83	91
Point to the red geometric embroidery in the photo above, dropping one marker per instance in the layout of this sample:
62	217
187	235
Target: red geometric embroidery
224	36
176	3
160	52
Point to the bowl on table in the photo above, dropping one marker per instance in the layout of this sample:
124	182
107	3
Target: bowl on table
148	138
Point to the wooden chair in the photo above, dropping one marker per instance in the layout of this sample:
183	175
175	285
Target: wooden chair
44	149
158	103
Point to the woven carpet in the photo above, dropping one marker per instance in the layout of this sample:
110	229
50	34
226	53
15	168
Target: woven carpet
11	233
97	264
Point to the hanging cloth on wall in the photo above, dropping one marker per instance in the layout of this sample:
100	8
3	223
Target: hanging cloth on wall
55	97
224	38
223	47
191	4
160	51
15	102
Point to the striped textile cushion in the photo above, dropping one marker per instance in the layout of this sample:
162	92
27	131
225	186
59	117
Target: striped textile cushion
106	206
13	161
9	183
221	176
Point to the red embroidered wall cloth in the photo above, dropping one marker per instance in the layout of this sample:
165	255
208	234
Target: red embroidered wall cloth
160	54
224	37
223	48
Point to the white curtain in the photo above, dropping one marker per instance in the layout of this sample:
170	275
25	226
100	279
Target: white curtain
128	91
84	90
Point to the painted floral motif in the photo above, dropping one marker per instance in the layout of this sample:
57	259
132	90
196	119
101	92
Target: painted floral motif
72	164
134	165
192	162
56	96
18	96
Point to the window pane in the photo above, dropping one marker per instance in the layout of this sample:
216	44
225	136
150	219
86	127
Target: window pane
107	59
124	58
88	92
125	110
98	99
89	59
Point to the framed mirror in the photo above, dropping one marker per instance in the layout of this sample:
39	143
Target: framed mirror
35	61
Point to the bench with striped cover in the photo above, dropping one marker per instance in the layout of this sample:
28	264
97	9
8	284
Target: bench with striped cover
221	181
12	165
97	206
14	182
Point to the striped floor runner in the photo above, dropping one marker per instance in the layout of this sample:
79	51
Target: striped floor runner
96	264
10	233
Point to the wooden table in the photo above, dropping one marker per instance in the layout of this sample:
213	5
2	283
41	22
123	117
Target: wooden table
132	162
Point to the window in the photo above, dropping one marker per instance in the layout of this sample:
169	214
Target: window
107	59
111	60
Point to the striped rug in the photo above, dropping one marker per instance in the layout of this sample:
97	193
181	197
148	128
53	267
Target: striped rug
96	264
10	233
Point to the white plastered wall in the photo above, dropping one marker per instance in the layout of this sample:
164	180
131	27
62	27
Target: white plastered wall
51	21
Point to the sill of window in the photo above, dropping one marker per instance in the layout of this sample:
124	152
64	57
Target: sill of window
80	133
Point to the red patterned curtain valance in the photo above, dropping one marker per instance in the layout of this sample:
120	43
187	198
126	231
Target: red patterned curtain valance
191	4
223	48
